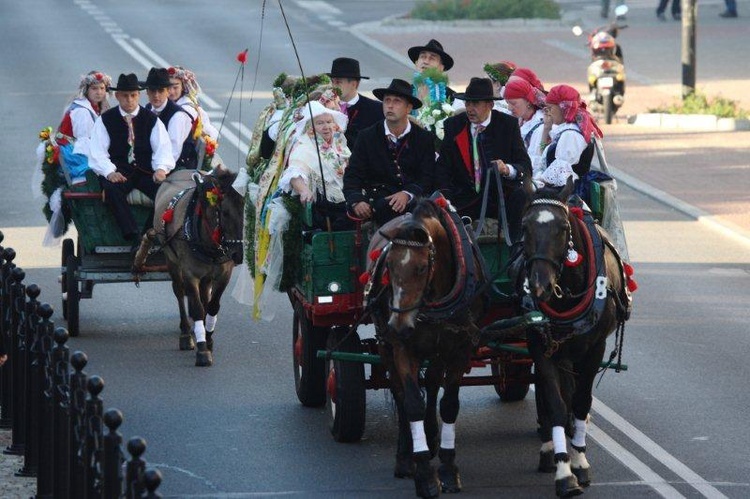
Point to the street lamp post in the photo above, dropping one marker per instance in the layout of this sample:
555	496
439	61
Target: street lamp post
689	14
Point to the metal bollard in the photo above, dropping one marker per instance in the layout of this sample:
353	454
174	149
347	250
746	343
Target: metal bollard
77	430
134	480
153	480
30	329
93	439
44	484
6	379
112	456
13	365
60	414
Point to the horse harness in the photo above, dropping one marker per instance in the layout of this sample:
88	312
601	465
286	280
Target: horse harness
583	317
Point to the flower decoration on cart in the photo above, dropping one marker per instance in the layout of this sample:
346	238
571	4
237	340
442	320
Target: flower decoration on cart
429	87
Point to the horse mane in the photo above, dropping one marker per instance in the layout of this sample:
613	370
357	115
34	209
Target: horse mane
415	229
425	209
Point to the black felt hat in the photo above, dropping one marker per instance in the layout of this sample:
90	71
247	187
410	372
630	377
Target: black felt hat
479	89
432	46
127	83
346	67
400	88
157	78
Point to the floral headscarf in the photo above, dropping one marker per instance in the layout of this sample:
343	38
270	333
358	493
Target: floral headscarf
518	88
189	83
91	78
574	110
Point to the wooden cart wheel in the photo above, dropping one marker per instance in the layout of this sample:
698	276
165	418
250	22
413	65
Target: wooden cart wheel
68	249
74	296
346	394
309	370
515	386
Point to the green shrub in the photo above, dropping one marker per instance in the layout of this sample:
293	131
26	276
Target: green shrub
698	103
447	10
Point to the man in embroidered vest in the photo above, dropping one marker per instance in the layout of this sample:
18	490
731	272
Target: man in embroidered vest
176	118
432	55
129	150
475	141
393	161
361	111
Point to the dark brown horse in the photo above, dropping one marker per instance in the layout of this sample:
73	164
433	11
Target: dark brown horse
424	298
198	221
576	278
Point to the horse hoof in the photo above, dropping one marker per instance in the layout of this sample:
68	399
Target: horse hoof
583	475
404	467
203	357
428	487
187	342
568	487
547	462
450	478
210	341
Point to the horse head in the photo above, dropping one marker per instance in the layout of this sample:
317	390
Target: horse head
419	246
547	235
222	208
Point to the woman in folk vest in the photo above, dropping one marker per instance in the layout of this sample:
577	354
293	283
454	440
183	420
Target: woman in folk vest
566	137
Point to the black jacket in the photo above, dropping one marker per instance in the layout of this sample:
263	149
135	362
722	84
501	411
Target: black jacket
500	140
373	173
366	112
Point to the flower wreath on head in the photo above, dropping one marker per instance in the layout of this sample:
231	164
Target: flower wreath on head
92	78
189	83
496	75
330	95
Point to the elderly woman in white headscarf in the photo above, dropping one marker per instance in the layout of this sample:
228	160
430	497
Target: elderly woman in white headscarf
315	169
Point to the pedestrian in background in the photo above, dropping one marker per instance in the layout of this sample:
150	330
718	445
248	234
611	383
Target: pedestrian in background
676	10
731	9
605	8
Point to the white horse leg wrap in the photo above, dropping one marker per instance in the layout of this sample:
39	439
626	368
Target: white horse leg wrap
211	323
448	436
558	437
418	436
200	331
579	435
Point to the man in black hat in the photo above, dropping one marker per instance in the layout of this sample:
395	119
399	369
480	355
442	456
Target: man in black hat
129	150
393	161
362	111
179	122
475	141
432	55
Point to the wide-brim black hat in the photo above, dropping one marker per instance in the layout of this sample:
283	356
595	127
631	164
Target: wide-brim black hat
346	67
127	83
157	78
400	88
432	46
479	89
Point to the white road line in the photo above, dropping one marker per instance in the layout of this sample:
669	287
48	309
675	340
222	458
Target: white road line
244	131
122	42
218	115
649	476
161	63
659	453
318	7
209	102
234	140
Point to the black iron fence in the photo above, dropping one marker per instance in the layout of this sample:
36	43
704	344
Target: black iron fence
54	409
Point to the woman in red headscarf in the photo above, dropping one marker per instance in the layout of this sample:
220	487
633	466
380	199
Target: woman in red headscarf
527	104
567	137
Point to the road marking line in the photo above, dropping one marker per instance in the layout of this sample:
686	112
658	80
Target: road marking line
122	42
659	453
244	131
649	476
150	53
234	140
318	6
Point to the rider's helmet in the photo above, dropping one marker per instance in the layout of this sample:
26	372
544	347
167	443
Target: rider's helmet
603	44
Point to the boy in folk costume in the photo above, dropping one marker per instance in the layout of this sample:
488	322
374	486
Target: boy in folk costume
178	121
130	149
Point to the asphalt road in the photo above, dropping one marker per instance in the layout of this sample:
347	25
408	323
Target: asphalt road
673	425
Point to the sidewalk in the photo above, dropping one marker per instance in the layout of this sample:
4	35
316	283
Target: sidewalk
705	175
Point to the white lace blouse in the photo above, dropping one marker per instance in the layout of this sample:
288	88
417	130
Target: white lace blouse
570	145
303	163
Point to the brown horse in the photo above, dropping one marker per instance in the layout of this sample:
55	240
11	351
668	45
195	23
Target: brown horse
198	221
576	278
424	284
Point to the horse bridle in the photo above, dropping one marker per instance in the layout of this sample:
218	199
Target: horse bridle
223	244
430	268
555	264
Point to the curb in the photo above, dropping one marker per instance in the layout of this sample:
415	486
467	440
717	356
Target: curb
700	122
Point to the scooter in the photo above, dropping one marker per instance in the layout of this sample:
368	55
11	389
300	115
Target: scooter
606	72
